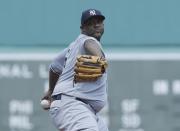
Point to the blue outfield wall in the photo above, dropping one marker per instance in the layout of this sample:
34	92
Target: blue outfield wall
56	22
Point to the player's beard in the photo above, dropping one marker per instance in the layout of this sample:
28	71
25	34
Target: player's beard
96	33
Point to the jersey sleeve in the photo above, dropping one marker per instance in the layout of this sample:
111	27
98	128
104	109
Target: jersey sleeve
58	63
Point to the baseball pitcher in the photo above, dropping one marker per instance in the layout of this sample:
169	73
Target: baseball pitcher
78	79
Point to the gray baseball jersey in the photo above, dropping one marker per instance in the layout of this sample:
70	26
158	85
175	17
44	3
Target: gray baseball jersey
94	92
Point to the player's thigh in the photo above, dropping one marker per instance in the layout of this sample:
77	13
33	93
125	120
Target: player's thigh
102	125
55	113
79	117
73	115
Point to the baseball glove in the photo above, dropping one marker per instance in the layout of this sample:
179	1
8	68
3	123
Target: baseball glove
89	68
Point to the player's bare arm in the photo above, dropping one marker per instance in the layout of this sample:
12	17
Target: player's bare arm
53	78
92	48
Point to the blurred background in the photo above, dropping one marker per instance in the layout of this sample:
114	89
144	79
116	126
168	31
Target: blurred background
142	44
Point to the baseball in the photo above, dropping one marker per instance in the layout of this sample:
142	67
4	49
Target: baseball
45	104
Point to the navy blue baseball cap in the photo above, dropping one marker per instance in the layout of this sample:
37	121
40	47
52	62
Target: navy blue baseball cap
87	14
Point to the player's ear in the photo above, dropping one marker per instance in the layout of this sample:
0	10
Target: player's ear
82	27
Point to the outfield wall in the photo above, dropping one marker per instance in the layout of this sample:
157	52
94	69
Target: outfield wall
144	92
57	22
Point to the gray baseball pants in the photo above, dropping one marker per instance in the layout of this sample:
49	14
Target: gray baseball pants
69	114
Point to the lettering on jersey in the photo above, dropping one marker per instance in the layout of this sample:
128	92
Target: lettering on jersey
67	55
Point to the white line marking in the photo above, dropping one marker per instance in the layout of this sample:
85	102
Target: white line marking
110	56
144	56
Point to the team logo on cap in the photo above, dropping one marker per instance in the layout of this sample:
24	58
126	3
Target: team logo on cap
92	12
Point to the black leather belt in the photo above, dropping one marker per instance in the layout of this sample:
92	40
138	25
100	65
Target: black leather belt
58	97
